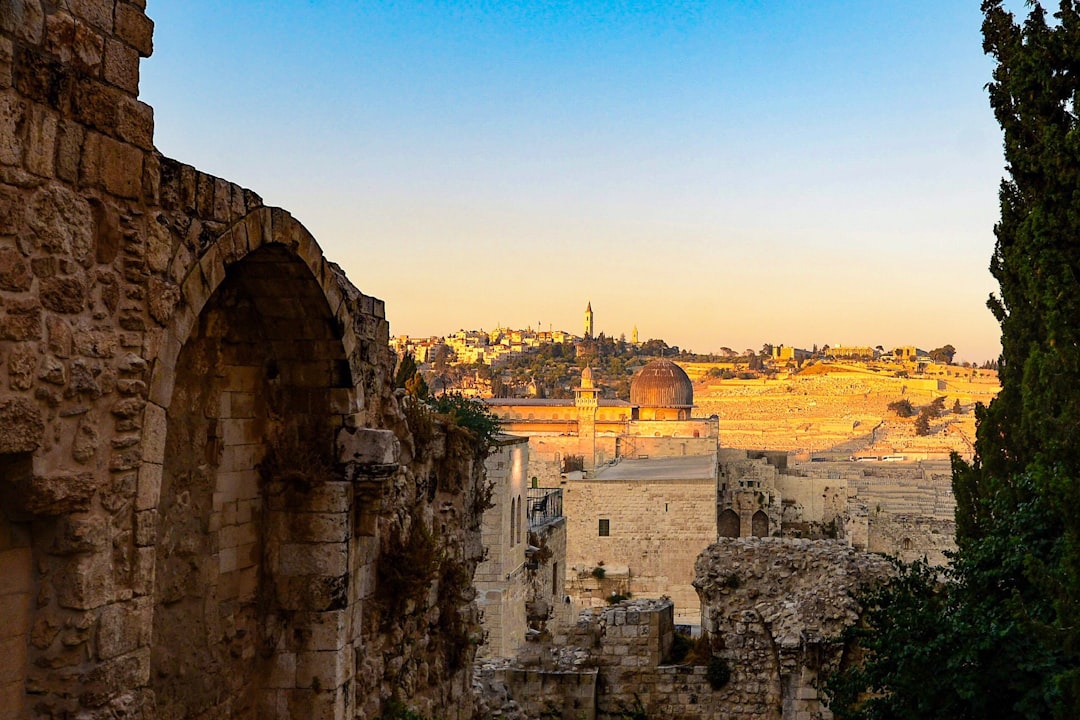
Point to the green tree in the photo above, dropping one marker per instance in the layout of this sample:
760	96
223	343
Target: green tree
943	354
902	408
1001	637
405	370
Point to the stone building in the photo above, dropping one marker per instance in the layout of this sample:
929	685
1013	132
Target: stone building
656	422
211	502
521	579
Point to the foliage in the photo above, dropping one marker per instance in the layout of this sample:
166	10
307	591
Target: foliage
957	409
406	370
943	354
1000	638
472	415
599	573
417	387
406	568
922	422
903	408
718	672
616	598
681	645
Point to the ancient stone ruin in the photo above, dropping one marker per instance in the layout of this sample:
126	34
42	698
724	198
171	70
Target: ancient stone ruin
774	613
212	504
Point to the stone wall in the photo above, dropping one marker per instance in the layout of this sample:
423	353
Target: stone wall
656	528
775	610
501	580
203	467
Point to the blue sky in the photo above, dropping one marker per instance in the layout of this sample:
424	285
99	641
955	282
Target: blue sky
717	173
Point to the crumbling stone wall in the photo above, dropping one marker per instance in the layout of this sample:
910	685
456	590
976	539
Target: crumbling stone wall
202	462
775	609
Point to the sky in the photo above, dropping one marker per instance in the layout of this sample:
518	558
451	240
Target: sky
716	173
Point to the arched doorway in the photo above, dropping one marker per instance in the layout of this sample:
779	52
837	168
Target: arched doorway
243	563
759	524
727	525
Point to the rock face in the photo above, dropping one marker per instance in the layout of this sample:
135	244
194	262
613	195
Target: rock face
775	610
211	502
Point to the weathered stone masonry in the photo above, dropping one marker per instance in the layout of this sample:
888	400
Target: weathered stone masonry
201	461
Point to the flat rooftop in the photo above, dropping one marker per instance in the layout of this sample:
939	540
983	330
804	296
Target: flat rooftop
682	467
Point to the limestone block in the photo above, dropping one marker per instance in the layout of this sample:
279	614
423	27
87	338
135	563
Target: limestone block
135	28
23	427
155	429
41	141
368	452
86	583
12	113
122	628
148	489
314	559
22	365
136	123
7	52
282	671
322	670
99	13
62	223
121	168
58	494
319	527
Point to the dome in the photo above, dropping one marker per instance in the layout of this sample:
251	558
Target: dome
587	378
662	383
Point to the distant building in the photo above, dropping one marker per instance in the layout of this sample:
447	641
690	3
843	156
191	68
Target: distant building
520	584
588	321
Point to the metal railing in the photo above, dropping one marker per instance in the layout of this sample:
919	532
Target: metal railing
545	506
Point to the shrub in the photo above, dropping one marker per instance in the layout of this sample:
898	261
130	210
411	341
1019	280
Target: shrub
718	673
902	408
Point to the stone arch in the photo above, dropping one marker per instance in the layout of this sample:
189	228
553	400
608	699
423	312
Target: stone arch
727	524
759	524
252	522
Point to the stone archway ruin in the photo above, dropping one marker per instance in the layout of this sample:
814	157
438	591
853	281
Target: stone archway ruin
163	336
260	385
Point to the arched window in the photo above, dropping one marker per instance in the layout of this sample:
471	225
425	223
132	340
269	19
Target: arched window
759	524
727	524
513	520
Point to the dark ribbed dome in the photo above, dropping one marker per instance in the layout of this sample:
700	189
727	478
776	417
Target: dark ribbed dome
662	383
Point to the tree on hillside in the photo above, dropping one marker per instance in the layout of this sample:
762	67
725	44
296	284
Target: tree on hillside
956	408
902	408
943	354
1001	638
406	369
922	422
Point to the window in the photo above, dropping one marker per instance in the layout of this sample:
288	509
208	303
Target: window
605	527
554	579
513	520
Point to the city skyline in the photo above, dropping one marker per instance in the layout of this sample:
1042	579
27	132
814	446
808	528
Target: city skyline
715	173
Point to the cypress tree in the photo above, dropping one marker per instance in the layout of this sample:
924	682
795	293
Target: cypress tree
1000	638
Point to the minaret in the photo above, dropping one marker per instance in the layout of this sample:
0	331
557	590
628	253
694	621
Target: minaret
588	321
587	401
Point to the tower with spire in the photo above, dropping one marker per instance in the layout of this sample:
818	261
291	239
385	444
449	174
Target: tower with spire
588	320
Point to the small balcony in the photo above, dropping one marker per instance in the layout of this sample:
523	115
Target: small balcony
545	506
